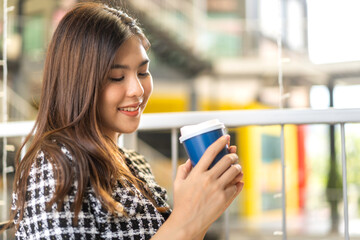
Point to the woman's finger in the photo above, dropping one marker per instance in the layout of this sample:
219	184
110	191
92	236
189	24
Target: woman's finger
210	154
238	178
228	142
232	191
230	174
239	186
223	164
232	149
183	170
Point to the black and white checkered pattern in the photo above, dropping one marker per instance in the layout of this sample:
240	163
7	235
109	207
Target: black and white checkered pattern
94	221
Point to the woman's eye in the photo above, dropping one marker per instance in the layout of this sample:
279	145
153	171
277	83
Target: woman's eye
145	74
117	79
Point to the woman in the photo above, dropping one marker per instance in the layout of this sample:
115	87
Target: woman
74	182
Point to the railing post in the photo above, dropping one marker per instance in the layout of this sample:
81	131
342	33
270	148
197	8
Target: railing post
4	110
227	224
129	141
283	186
23	150
344	180
174	152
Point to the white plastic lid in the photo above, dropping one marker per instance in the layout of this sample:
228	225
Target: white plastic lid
197	129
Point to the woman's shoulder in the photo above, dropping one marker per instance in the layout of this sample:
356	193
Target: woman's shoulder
44	160
131	154
42	168
40	184
136	161
42	174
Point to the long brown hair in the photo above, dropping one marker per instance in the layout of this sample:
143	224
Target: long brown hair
78	61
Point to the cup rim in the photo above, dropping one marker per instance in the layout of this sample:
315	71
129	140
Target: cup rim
191	131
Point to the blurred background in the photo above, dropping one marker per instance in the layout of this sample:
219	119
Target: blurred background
225	55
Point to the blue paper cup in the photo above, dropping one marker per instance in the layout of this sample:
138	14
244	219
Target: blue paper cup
197	138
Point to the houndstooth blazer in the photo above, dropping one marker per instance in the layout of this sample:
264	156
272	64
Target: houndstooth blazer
94	221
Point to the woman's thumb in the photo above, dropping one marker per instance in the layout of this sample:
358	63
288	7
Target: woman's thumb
184	170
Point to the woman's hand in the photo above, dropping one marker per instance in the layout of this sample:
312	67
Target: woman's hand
202	195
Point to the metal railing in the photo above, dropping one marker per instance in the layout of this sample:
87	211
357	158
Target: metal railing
3	95
236	118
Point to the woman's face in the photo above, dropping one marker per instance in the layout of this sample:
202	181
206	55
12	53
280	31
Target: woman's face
124	97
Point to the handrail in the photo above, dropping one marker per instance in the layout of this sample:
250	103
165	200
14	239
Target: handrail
3	224
236	118
231	118
20	104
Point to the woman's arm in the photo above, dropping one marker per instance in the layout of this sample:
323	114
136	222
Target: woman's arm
41	221
202	195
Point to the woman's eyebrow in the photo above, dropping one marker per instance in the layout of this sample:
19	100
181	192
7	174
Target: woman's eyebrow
127	67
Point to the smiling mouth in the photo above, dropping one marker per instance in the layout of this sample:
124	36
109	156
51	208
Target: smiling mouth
129	109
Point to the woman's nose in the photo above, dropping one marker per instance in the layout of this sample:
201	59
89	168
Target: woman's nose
135	88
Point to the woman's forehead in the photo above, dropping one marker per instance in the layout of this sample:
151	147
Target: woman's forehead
131	52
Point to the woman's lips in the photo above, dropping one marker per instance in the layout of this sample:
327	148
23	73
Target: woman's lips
129	109
132	110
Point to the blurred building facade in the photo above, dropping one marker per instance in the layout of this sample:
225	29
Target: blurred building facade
218	55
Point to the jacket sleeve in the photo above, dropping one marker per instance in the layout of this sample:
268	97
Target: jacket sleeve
40	222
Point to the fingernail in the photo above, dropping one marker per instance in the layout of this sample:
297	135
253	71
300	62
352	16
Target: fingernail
188	162
238	166
227	137
234	158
